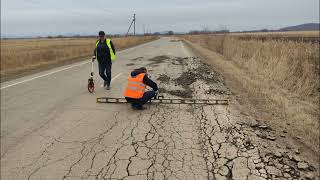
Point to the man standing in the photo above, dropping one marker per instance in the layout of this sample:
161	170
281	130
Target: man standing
105	54
135	90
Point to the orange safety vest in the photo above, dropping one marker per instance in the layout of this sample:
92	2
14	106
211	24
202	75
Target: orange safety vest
135	88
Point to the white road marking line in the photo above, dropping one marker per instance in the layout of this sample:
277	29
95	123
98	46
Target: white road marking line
116	76
43	75
113	78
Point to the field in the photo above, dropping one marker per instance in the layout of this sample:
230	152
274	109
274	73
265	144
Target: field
275	76
294	36
21	56
314	34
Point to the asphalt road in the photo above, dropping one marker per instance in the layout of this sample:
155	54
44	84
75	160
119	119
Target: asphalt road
52	128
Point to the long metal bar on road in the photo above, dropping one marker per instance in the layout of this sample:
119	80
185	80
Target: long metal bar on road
169	101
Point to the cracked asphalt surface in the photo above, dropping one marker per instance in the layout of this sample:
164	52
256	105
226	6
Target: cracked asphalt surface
52	128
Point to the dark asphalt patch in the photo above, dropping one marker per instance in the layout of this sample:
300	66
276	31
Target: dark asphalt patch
164	78
137	59
158	60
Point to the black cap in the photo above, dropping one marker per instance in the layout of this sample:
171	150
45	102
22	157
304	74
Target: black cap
101	33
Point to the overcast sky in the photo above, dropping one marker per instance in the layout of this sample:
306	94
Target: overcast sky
52	17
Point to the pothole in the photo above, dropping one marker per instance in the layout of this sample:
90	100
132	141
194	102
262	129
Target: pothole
130	64
164	78
158	60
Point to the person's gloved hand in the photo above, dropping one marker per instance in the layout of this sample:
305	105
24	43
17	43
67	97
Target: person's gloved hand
93	58
156	94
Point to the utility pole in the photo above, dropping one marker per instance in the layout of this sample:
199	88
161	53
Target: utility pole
144	29
134	25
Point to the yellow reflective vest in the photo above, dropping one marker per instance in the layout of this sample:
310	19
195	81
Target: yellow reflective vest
112	55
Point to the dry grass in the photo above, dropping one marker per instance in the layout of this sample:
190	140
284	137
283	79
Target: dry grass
293	66
282	34
279	78
22	55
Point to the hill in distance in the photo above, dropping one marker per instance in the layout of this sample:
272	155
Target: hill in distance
302	27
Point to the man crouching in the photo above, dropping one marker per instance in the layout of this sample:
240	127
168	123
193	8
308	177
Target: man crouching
135	90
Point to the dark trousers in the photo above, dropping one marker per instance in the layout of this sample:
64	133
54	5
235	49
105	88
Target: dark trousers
145	98
105	72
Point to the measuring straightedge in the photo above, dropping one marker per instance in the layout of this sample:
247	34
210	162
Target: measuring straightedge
161	100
